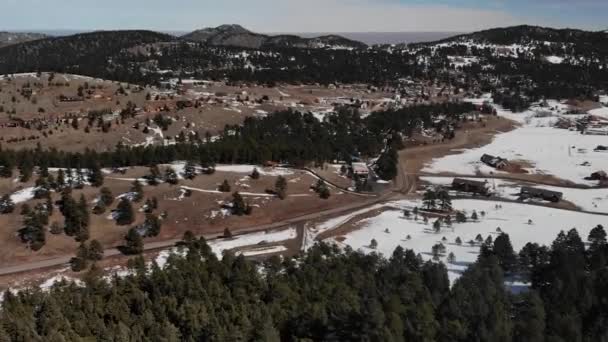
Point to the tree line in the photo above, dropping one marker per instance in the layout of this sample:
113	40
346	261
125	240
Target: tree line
327	294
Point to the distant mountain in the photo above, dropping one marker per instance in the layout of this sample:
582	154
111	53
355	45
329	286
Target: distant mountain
236	35
525	34
10	38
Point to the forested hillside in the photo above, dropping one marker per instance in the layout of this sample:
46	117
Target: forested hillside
529	62
290	137
329	295
78	53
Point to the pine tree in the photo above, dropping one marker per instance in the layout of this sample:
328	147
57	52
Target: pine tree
255	174
124	213
153	225
133	242
387	164
79	182
322	189
154	176
461	217
437	226
7	205
106	197
95	251
171	176
137	191
451	258
430	199
190	170
505	254
60	182
474	216
445	202
239	207
281	187
84	220
373	244
95	176
227	233
225	186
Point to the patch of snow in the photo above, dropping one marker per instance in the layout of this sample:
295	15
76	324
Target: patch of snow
23	195
218	246
47	284
264	171
555	59
263	251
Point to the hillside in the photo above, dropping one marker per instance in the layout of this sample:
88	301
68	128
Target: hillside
525	34
10	38
577	42
81	51
237	36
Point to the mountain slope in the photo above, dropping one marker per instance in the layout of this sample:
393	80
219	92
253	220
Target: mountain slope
72	52
10	38
525	33
235	35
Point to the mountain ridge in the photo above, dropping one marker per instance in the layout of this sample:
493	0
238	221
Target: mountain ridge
238	36
524	33
12	38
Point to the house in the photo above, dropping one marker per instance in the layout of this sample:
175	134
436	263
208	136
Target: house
599	176
547	195
596	131
601	148
63	98
475	187
360	170
495	162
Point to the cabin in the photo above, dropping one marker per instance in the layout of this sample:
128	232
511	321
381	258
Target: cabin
599	176
63	98
601	148
475	187
547	195
495	162
360	170
596	131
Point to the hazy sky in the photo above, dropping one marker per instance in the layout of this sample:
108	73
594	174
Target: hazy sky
301	15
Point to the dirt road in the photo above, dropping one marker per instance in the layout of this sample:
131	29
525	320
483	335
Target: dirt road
152	246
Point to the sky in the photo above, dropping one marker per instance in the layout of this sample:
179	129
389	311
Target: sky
301	15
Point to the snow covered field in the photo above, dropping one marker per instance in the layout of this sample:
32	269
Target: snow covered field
512	218
594	200
549	150
218	246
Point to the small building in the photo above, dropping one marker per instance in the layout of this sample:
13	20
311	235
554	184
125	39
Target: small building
475	187
601	148
63	98
599	176
547	195
360	170
495	162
